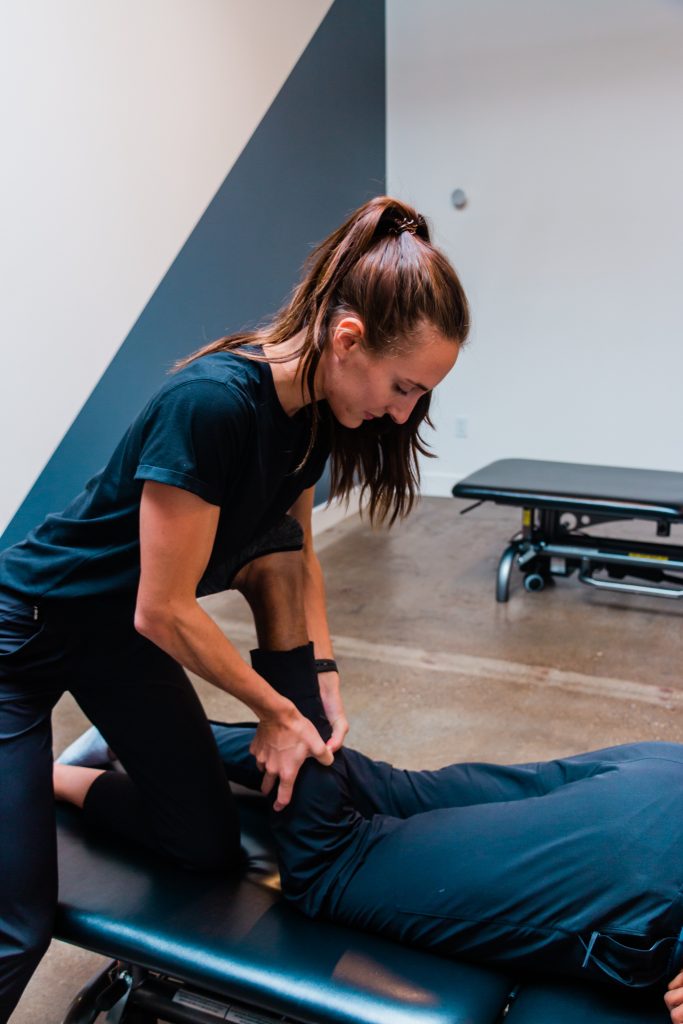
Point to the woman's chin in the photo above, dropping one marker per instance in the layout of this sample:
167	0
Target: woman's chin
353	420
350	420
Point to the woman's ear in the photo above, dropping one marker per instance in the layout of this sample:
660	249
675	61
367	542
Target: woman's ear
347	334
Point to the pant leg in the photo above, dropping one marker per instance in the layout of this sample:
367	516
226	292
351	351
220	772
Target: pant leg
174	797
28	856
378	788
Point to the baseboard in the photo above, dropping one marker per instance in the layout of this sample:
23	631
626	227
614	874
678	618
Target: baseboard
433	485
439	484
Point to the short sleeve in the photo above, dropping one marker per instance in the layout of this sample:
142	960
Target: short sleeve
195	436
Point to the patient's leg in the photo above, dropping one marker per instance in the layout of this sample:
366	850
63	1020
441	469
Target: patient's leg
378	788
375	787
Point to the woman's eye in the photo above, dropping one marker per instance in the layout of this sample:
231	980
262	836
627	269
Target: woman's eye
400	390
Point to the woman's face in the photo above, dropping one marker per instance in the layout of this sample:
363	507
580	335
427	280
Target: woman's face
360	386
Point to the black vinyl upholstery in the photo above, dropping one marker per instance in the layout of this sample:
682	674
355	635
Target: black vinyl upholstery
634	493
236	938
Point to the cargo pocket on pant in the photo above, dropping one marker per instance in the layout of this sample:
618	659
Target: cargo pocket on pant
634	966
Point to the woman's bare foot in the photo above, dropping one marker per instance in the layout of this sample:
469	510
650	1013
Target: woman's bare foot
674	999
72	782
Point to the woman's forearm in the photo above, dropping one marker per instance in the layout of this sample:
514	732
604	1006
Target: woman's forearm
315	606
319	633
191	637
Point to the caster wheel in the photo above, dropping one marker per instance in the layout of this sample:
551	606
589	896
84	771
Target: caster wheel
533	582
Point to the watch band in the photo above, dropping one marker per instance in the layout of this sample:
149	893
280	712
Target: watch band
325	665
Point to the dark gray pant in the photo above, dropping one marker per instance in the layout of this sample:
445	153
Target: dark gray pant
573	866
175	798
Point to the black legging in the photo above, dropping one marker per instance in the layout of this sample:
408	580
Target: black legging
571	866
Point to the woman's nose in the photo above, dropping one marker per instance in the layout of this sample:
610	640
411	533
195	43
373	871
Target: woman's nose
401	410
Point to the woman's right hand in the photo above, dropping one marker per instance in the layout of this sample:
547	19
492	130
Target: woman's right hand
281	745
674	999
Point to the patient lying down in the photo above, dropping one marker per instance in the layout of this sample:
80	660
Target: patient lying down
571	866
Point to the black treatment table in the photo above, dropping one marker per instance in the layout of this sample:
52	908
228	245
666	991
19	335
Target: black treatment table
201	948
560	500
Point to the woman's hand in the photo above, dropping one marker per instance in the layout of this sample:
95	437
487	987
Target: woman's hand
674	999
280	746
334	709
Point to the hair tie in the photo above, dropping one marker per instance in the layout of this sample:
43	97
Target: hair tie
413	225
408	224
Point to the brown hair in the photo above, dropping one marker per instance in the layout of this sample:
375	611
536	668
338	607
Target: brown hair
380	264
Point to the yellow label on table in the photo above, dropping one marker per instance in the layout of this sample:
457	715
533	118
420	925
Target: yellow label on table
652	558
526	517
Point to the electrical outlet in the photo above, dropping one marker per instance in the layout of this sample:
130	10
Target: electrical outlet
461	426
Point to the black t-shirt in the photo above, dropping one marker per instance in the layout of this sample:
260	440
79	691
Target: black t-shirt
216	428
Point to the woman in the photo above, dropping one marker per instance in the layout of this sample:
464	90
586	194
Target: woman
212	488
571	867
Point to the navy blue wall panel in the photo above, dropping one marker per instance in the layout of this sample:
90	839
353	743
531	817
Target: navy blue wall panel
318	153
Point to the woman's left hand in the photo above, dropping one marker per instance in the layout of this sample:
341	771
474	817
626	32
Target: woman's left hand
334	709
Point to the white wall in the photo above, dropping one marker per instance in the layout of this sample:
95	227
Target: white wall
562	122
121	119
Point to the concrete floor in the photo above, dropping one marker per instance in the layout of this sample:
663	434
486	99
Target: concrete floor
435	671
